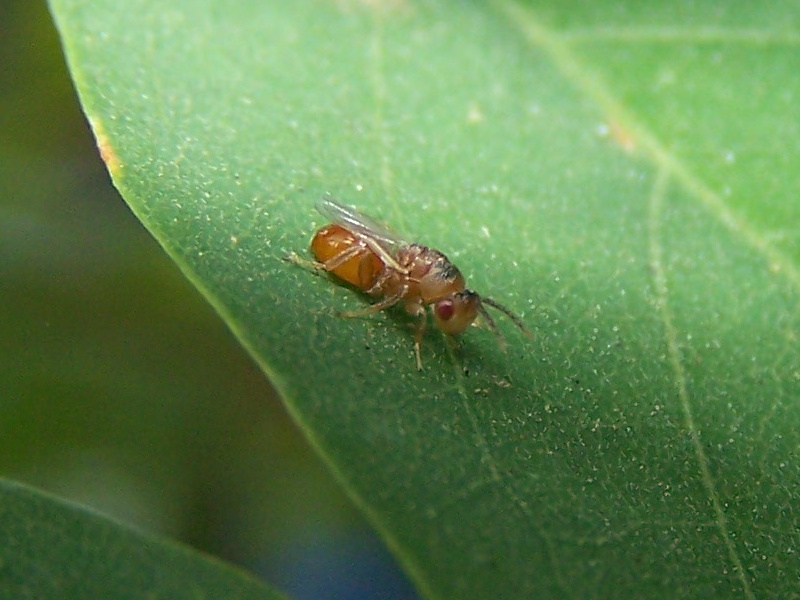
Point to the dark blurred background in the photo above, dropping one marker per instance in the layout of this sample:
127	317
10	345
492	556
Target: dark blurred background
120	388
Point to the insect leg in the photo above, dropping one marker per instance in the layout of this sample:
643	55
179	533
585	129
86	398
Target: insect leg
331	263
418	333
387	258
343	257
378	306
301	262
382	278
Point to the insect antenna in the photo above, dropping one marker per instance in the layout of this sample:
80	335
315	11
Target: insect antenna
492	325
496	305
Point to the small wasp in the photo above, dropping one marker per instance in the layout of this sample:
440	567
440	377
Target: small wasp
363	253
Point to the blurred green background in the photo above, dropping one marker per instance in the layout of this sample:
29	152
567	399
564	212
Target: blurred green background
121	388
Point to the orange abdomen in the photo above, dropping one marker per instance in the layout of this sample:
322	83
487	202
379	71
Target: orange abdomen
360	270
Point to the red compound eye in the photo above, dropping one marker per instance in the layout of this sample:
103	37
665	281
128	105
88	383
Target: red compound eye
445	309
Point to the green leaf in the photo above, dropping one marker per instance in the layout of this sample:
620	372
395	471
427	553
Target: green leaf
52	549
623	176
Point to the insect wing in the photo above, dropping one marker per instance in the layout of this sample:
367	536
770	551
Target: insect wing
358	223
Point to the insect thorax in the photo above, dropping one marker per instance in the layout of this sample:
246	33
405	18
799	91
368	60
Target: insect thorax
435	275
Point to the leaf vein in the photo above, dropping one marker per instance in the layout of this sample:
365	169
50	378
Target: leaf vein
668	35
662	157
675	359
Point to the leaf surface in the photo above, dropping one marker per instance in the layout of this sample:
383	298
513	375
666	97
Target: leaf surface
623	177
52	549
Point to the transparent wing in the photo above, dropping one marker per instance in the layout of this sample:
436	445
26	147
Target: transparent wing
358	223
